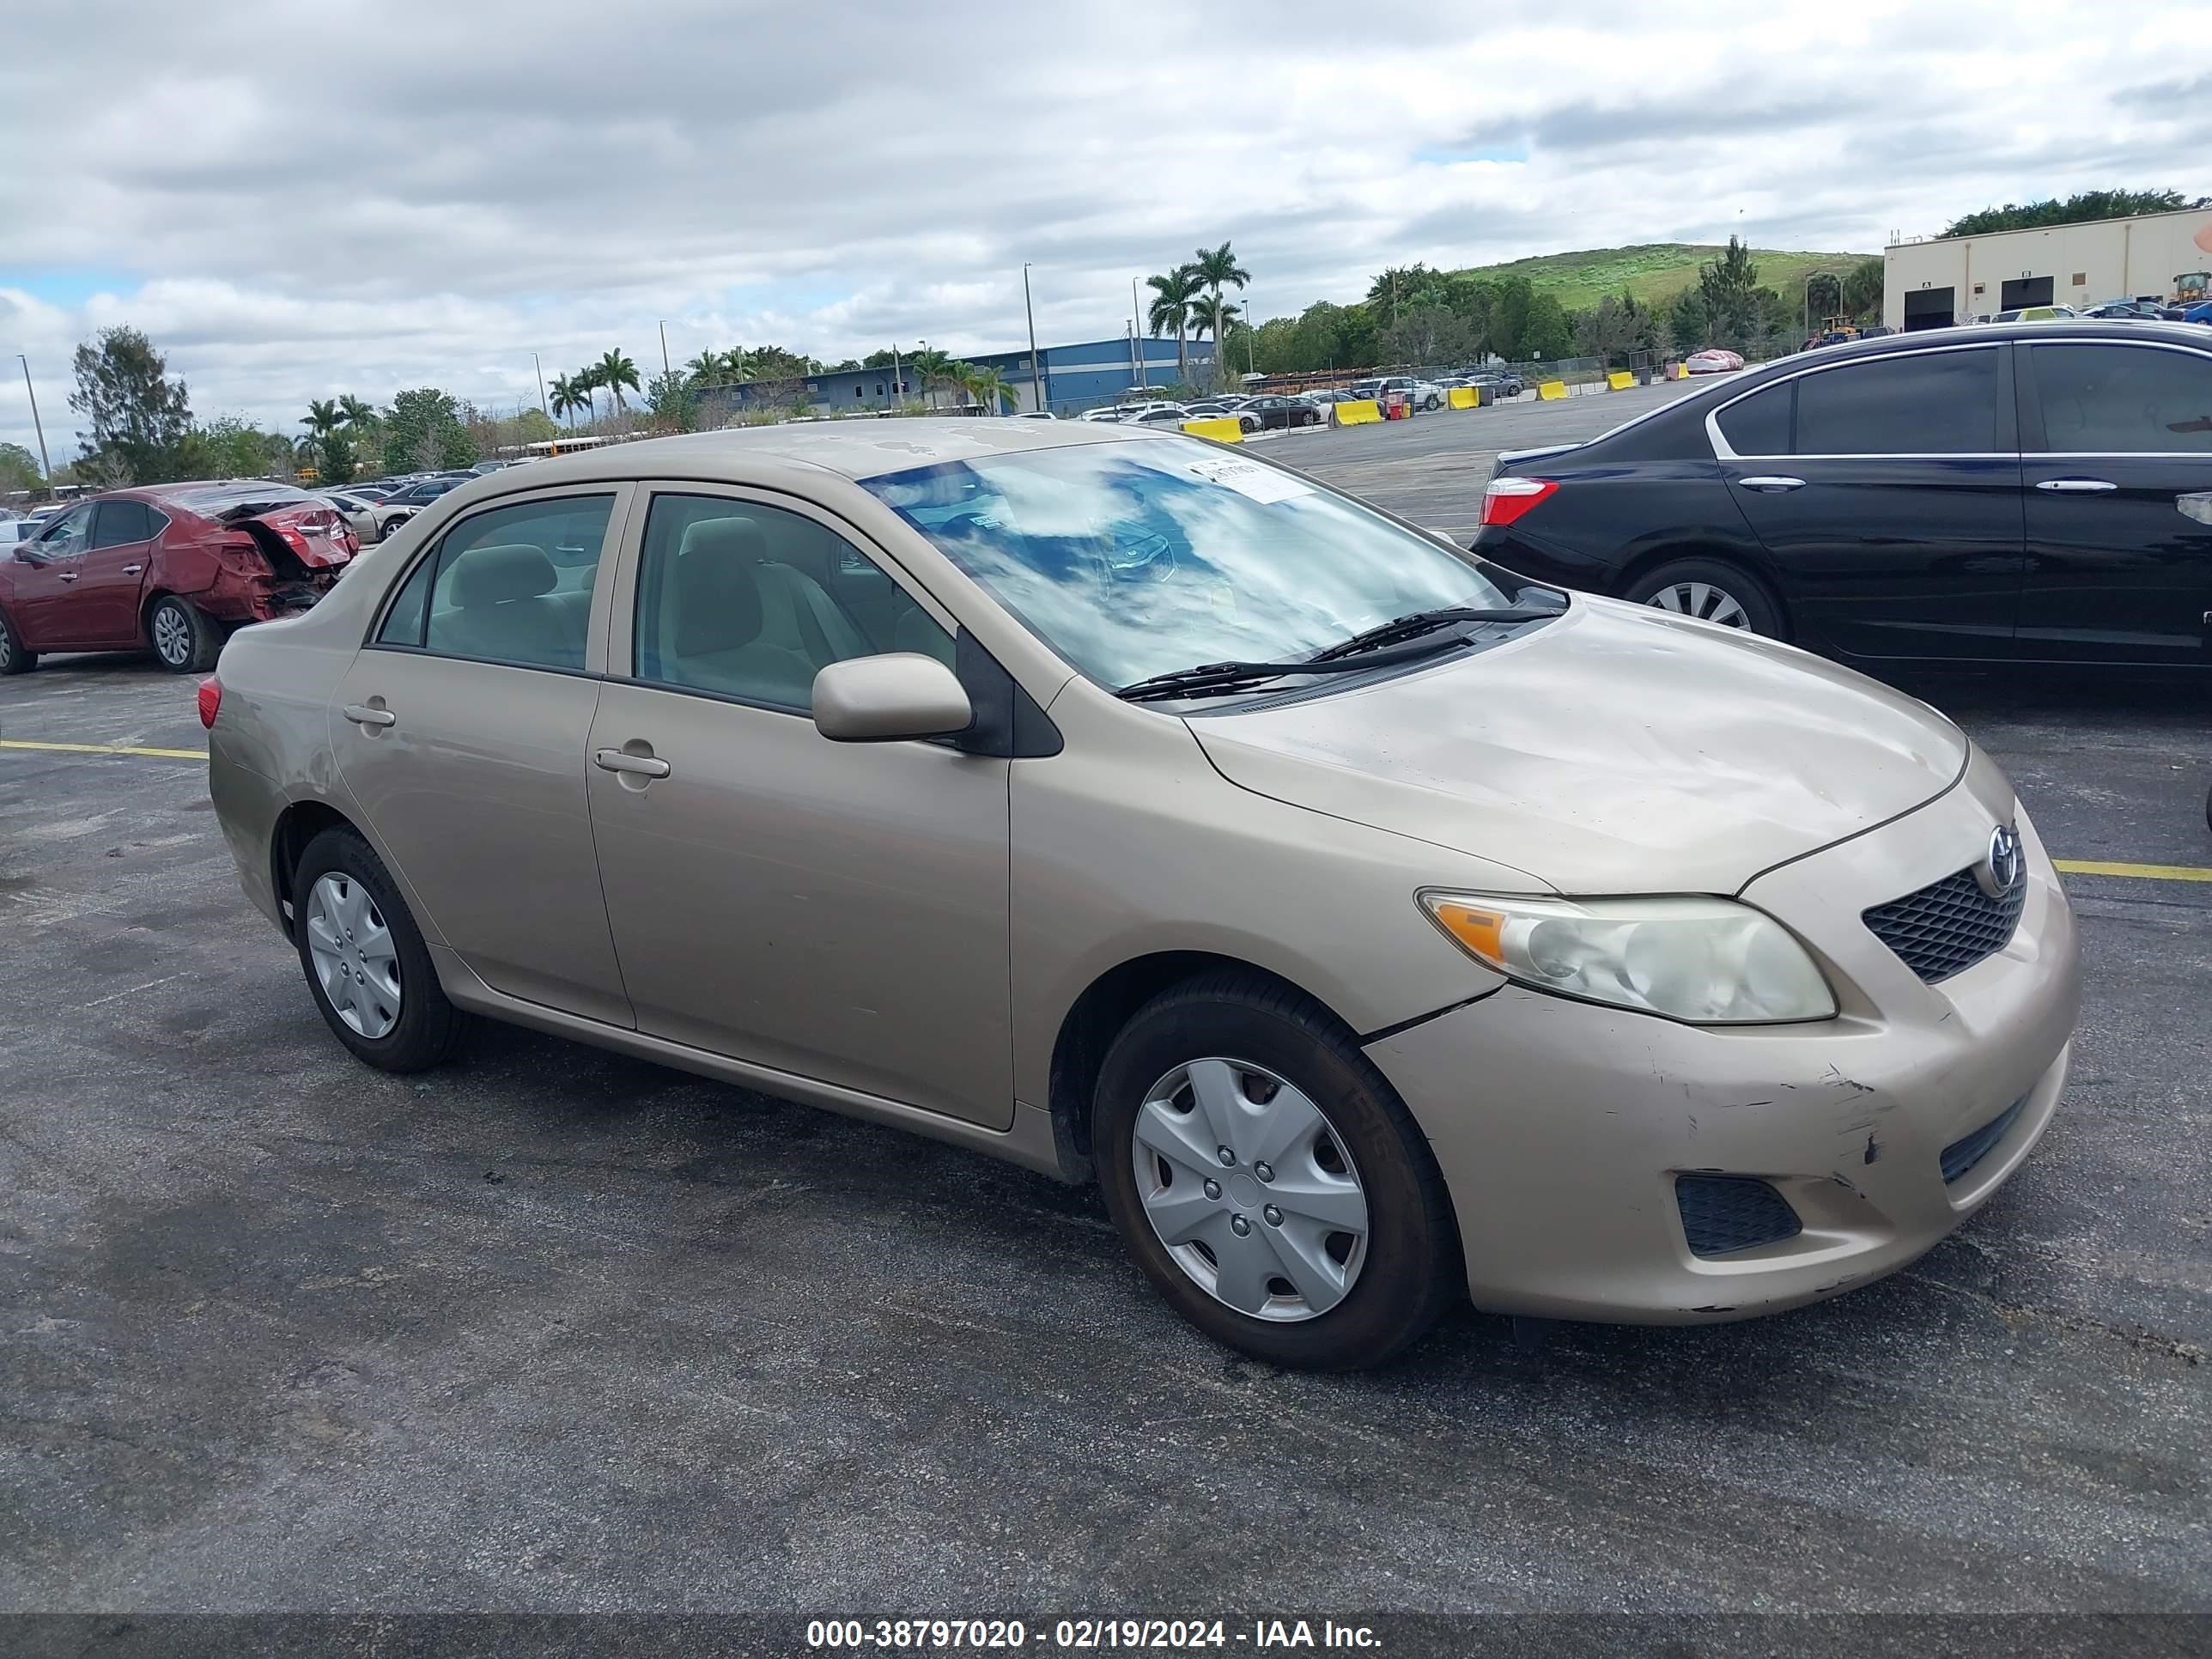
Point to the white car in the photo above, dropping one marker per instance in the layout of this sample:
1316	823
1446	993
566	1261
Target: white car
360	513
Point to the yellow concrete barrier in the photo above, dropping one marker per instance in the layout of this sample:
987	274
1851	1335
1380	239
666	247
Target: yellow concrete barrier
1465	396
1552	391
1223	429
1620	380
1359	412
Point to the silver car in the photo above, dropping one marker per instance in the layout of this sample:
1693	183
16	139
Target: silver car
1376	928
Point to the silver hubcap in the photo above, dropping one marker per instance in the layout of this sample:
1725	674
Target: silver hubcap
1705	601
1250	1189
172	634
356	962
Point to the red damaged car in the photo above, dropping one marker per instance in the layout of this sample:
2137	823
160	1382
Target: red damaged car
171	569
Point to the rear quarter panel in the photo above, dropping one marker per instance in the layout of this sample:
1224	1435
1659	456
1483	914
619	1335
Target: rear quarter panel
1611	521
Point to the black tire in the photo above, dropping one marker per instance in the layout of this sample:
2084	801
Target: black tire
429	1026
16	657
198	636
1737	587
1411	1270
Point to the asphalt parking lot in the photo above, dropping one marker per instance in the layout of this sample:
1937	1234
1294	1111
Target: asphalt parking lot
555	1330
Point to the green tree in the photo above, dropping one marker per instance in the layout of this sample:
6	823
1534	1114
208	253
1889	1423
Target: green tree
1215	270
2074	209
586	380
19	468
1729	285
567	398
357	415
1546	332
1688	321
138	417
989	387
322	418
422	429
670	400
614	372
335	460
1430	333
1211	314
1862	289
934	369
1173	293
533	427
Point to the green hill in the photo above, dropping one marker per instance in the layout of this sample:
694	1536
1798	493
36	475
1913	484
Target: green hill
1655	271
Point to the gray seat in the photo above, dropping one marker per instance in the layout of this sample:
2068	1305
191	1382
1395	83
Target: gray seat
745	625
505	608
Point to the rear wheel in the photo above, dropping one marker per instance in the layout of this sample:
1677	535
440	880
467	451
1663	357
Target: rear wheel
16	657
185	638
1269	1181
366	965
1712	591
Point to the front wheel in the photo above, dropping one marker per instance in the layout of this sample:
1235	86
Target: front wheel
1268	1179
366	965
185	638
1711	591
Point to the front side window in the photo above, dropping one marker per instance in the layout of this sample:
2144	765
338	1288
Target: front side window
1137	559
513	584
1944	403
69	535
2123	400
748	601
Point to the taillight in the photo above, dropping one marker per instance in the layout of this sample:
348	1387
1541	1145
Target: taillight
1509	497
210	701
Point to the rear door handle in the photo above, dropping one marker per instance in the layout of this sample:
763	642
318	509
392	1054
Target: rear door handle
361	714
646	766
1771	486
2076	486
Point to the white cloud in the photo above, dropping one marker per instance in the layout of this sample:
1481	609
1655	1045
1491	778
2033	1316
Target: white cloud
297	201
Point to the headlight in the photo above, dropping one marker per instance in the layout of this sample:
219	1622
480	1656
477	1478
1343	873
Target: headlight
1707	961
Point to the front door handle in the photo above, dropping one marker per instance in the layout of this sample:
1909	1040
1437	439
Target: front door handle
132	569
2076	486
1771	486
361	714
644	766
65	575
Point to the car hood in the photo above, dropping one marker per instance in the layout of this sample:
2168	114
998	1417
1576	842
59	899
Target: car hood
1620	750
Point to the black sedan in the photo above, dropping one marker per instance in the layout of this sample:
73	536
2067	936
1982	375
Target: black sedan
1276	413
2035	493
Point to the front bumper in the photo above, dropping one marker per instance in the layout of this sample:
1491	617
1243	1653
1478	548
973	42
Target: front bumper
1561	1126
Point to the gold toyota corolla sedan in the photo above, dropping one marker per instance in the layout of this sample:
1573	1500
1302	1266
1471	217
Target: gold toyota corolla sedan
1368	921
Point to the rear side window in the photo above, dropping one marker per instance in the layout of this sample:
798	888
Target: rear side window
1942	403
1759	425
2123	400
513	584
121	522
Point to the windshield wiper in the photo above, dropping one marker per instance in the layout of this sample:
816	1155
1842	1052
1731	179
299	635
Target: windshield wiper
1212	679
1412	627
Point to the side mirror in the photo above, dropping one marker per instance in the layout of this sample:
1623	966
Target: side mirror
26	554
887	698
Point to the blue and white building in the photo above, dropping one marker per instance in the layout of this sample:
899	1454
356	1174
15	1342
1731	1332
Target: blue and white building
1067	379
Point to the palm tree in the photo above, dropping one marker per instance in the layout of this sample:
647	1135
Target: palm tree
1214	268
566	397
706	368
1213	314
614	372
932	368
323	417
736	365
586	380
988	386
356	413
1176	290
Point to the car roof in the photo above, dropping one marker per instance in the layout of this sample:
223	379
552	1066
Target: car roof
850	449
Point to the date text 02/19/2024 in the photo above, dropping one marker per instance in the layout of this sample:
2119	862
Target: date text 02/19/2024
1086	1635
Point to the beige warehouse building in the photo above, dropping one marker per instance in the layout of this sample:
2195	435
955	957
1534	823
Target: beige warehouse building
1934	282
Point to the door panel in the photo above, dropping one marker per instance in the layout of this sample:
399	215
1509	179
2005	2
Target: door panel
45	592
1894	518
476	789
2120	553
835	910
838	911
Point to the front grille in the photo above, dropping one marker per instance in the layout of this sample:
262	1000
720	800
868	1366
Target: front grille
1947	926
1968	1150
1725	1213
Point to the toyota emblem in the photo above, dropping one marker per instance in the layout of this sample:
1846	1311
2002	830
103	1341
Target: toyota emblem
2000	873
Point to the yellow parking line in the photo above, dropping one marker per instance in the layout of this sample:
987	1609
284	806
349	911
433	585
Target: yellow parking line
2141	871
104	748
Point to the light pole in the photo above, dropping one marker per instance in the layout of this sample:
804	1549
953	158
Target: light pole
37	425
540	368
1036	384
1137	336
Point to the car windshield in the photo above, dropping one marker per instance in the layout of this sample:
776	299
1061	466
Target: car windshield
1136	559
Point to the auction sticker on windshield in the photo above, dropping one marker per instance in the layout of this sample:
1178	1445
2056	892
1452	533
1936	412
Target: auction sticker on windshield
1263	485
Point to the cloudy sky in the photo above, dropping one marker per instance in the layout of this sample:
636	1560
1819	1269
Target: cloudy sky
300	200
